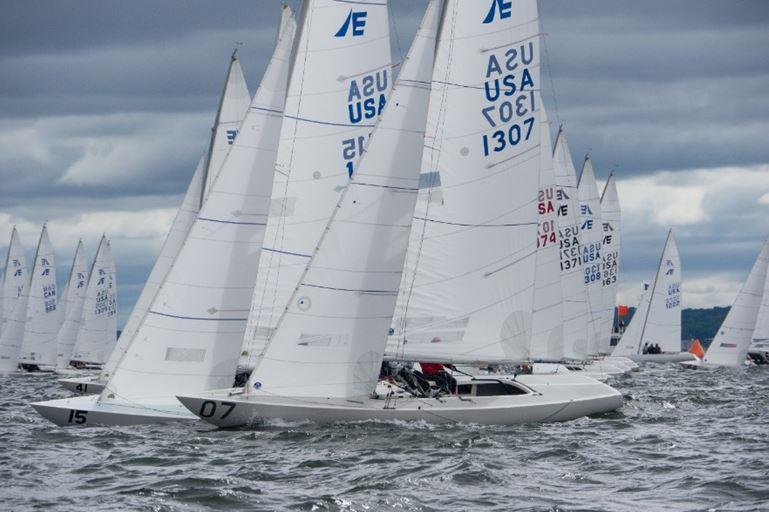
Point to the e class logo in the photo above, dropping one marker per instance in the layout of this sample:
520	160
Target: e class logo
355	22
504	7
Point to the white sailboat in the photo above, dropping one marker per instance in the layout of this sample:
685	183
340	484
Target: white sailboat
72	301
98	326
730	345
759	342
575	311
14	300
322	361
592	261
38	348
610	254
232	103
340	81
191	336
657	320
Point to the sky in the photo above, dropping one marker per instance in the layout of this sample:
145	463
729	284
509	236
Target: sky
106	106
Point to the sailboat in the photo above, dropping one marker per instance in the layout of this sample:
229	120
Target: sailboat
191	336
758	350
610	255
14	289
657	320
38	347
233	104
98	327
72	301
322	361
731	343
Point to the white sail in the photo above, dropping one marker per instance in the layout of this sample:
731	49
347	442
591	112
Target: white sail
340	80
592	263
233	107
39	342
547	342
190	338
467	289
98	326
72	302
610	255
760	339
331	338
14	281
575	312
207	169
730	345
657	320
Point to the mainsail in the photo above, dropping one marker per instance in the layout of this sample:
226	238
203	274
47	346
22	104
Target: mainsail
233	107
657	320
330	340
547	341
98	326
610	253
760	339
223	135
730	345
72	302
42	324
592	262
190	338
575	312
467	288
339	83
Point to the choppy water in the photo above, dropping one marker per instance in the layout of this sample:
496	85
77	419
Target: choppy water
685	440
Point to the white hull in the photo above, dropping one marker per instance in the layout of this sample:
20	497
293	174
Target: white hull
623	361
558	368
554	398
87	411
664	358
83	385
700	364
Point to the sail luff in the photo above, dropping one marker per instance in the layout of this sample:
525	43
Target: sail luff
74	298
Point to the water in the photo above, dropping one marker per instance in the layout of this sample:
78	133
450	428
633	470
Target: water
685	440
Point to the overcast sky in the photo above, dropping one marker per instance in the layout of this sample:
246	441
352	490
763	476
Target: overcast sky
105	107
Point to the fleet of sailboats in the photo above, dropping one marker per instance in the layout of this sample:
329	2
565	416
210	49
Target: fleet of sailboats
345	219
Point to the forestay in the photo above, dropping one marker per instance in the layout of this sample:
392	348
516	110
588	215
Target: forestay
610	254
657	320
575	312
72	303
730	345
339	83
14	280
330	341
233	106
547	342
467	289
592	262
42	324
98	327
190	338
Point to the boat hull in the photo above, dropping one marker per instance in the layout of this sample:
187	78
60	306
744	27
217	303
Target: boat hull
88	411
555	398
663	358
83	385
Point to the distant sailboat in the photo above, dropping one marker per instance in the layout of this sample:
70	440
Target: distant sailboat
98	327
730	345
759	342
223	134
14	299
657	320
610	255
323	360
38	348
191	336
72	301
